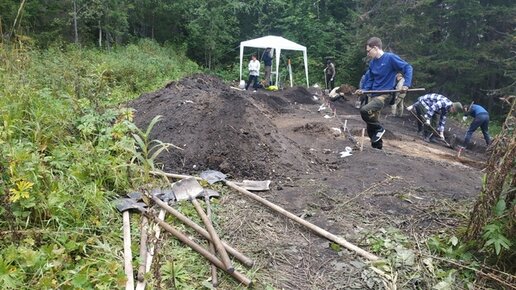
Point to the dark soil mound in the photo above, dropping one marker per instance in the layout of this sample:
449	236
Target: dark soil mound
220	127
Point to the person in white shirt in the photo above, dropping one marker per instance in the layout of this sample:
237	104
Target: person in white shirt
254	72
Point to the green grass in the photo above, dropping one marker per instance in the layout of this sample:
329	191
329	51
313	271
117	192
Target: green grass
64	155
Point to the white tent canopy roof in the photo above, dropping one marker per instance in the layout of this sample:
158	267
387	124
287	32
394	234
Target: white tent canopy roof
275	42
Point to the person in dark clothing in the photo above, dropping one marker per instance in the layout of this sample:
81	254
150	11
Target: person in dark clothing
329	72
381	75
267	61
480	119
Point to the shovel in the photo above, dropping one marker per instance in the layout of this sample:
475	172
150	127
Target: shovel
239	256
190	189
128	203
433	129
212	175
124	205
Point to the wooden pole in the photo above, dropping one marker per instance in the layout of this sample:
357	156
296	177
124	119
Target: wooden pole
150	250
205	253
239	256
314	228
362	140
128	255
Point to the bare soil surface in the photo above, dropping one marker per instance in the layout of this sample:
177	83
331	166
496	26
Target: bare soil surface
294	138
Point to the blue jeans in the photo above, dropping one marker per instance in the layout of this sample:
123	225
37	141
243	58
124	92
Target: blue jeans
482	121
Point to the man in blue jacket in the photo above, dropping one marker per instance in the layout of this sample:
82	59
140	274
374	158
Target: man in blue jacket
381	75
480	119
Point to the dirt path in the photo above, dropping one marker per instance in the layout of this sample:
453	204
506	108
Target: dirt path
284	136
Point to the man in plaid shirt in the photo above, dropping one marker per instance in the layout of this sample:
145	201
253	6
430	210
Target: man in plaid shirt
429	108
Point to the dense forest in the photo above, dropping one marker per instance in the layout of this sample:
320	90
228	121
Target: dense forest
461	48
68	146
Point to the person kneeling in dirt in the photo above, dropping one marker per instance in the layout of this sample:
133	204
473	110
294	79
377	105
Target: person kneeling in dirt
480	119
429	108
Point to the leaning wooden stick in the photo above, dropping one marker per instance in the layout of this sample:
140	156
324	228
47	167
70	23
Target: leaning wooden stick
239	256
301	221
214	279
213	259
214	237
150	250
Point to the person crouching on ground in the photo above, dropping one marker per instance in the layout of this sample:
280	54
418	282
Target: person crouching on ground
397	108
381	75
480	119
429	108
254	72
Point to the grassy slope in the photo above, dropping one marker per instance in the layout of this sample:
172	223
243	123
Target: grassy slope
64	154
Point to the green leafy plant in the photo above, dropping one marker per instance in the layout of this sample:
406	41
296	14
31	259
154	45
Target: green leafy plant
494	232
146	150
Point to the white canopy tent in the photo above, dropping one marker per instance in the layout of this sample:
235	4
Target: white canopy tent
277	43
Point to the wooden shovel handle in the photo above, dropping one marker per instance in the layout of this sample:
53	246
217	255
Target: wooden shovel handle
214	279
297	219
143	249
212	258
128	255
239	256
214	237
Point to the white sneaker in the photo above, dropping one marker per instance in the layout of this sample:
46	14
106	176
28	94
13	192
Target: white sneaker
378	136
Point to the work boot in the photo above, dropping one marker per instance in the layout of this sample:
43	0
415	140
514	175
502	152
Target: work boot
377	145
378	136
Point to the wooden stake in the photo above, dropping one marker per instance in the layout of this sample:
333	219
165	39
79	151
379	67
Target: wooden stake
362	140
345	124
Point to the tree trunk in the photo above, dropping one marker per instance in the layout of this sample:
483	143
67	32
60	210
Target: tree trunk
100	35
76	33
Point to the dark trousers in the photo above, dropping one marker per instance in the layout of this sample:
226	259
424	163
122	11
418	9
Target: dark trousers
482	121
253	79
330	84
370	113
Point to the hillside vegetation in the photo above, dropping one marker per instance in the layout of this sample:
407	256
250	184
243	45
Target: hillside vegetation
65	152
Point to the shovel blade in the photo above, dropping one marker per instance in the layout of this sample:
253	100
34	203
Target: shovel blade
254	185
186	189
123	204
213	176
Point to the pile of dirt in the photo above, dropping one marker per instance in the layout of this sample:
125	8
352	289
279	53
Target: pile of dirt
222	128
